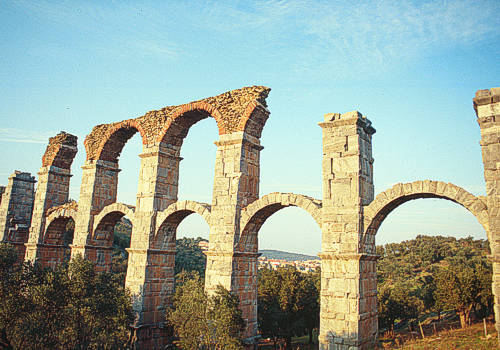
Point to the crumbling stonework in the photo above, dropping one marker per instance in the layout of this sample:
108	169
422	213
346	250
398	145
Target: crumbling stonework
52	191
16	209
236	110
348	214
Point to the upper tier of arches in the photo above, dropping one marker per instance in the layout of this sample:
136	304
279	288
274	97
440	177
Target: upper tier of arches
242	110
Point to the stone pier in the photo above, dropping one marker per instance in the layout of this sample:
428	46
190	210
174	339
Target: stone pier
16	209
348	274
487	107
52	191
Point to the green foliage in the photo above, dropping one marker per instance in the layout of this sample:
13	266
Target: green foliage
288	303
414	275
203	322
122	233
189	256
464	285
70	307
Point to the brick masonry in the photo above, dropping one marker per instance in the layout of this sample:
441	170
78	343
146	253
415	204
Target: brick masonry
49	245
348	214
16	209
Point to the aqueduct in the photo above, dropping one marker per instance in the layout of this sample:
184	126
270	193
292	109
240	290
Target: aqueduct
348	214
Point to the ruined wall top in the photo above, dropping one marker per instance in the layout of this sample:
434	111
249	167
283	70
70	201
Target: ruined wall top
22	176
71	205
232	110
60	151
348	118
484	98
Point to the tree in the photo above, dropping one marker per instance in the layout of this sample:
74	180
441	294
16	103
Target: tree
397	303
69	307
203	322
287	303
309	301
463	286
189	256
99	306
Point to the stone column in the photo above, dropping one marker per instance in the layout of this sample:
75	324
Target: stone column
487	106
150	273
348	316
236	184
16	209
52	189
98	189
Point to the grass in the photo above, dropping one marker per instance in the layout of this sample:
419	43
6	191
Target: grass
470	338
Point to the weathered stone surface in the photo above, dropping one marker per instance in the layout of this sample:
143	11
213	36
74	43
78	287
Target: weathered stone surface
487	106
348	214
60	151
52	192
16	209
237	110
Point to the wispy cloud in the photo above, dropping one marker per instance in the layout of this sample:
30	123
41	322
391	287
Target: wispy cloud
125	29
326	36
25	136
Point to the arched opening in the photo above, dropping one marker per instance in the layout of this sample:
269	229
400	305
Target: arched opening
198	166
111	238
128	177
191	257
105	145
281	216
196	170
55	248
431	250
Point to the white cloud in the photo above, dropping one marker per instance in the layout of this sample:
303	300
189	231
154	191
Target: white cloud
25	136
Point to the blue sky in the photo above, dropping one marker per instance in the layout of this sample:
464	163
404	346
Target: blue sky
412	67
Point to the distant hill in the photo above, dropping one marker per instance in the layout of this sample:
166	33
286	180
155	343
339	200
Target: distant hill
278	254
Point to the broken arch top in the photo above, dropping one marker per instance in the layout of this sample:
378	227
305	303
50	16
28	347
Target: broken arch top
243	109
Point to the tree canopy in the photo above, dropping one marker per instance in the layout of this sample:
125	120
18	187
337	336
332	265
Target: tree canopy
71	307
205	322
433	274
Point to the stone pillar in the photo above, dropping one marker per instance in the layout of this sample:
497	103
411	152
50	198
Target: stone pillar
487	106
2	191
236	184
348	316
98	189
16	209
52	189
150	273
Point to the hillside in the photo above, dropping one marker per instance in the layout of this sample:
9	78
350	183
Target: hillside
278	254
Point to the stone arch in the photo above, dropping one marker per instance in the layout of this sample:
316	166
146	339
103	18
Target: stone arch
113	212
55	225
57	237
169	219
253	119
183	117
387	201
255	214
60	151
101	239
106	141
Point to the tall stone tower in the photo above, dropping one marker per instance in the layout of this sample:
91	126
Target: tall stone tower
487	106
16	209
348	318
